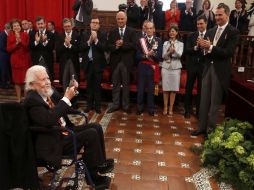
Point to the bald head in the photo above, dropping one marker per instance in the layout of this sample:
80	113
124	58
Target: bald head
121	19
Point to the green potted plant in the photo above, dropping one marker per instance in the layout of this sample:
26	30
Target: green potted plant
230	149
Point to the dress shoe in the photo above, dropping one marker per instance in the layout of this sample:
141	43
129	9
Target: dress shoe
110	161
151	113
139	112
111	110
165	111
102	182
88	109
197	133
106	167
186	115
128	110
98	110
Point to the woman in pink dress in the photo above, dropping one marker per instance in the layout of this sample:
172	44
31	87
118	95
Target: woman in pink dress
17	46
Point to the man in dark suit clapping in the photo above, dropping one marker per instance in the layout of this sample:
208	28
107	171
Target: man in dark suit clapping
93	45
5	67
67	48
121	44
42	45
218	48
194	65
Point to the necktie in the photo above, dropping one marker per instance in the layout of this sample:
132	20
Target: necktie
217	36
61	120
50	103
90	53
121	33
201	35
41	34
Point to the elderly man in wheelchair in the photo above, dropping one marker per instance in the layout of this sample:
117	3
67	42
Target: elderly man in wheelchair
46	108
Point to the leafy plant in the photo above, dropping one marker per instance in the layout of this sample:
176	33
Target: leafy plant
230	149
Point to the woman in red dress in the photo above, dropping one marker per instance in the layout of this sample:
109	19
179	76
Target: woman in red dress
172	16
17	45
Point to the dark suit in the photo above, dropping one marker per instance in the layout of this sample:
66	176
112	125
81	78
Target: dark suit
146	74
187	21
121	61
68	56
94	67
194	67
210	20
85	11
38	51
143	15
239	20
133	16
158	16
5	74
50	147
216	75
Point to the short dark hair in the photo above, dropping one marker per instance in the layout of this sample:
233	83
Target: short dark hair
94	17
225	7
38	18
52	22
202	17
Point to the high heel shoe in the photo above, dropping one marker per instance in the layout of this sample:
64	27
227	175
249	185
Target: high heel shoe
165	111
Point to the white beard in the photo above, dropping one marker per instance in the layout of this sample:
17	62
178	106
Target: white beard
47	94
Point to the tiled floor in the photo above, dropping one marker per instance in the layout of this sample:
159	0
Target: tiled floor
151	153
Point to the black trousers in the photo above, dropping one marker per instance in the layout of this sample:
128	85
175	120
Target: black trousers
192	74
91	138
94	88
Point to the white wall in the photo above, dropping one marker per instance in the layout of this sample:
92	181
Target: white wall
112	5
230	3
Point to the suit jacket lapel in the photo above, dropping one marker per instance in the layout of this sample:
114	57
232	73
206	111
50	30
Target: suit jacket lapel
222	36
212	35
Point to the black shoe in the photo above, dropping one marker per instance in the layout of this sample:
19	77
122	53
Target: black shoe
186	115
128	111
110	161
106	167
102	182
139	112
197	133
98	110
111	110
151	113
88	109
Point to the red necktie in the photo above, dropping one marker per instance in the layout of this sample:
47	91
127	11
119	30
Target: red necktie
61	119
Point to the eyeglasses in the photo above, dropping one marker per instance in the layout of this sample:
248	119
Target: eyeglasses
95	22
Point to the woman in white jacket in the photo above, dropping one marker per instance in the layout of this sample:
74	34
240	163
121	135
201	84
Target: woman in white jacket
171	68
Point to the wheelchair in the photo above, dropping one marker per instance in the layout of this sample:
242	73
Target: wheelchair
14	119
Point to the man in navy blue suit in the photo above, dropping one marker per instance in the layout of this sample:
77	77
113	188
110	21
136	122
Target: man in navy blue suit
149	53
5	75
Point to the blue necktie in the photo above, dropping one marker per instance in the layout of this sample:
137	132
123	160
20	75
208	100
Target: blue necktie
90	53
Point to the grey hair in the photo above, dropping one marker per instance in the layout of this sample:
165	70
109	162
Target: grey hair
31	76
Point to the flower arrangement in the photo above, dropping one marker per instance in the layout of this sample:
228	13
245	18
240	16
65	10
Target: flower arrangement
230	149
